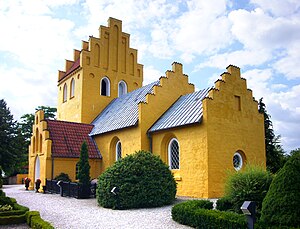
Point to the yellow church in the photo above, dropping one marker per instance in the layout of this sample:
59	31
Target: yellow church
201	134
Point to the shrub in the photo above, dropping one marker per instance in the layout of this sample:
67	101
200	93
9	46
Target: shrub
2	193
34	220
15	216
251	184
84	166
6	200
190	214
224	204
1	180
63	176
281	204
6	207
194	204
142	180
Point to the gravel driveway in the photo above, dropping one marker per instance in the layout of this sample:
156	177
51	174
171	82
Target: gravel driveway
65	212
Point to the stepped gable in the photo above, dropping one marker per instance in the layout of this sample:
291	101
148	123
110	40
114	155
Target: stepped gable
185	111
67	138
122	112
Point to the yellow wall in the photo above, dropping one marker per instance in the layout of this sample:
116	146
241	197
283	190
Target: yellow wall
232	127
96	63
135	138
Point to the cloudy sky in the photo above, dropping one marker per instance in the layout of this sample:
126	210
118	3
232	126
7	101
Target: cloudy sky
262	37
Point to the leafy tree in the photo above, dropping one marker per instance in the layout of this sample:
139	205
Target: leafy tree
274	152
8	145
84	166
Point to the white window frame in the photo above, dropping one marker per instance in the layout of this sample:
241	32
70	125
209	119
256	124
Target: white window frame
170	155
240	158
118	153
65	93
107	81
72	91
122	88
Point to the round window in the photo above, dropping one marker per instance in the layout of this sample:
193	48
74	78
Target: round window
237	161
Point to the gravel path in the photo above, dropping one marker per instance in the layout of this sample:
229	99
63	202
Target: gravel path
65	212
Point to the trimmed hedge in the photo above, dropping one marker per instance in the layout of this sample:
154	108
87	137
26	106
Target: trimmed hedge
34	220
142	180
190	214
224	204
15	216
281	204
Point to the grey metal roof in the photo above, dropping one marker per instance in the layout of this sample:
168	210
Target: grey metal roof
122	112
186	110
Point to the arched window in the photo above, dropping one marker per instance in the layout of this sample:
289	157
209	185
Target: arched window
72	91
76	171
173	154
118	150
122	88
238	160
65	93
105	86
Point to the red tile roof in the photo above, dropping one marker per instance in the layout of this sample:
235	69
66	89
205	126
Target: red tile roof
67	138
72	69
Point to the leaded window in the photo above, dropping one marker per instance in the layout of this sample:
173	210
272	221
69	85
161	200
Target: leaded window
118	150
173	153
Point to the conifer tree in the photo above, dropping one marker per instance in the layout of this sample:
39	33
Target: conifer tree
274	152
84	166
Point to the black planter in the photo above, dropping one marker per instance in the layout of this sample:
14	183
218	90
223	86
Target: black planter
37	186
84	192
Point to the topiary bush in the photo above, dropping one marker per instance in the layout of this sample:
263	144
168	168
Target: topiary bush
224	204
281	204
190	213
63	176
251	184
142	180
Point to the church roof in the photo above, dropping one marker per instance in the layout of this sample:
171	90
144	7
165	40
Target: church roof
186	110
122	112
67	138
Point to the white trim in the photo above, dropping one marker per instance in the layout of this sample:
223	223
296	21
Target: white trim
65	93
107	81
123	86
117	153
240	158
37	169
72	91
170	151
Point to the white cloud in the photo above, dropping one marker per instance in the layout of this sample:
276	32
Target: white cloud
240	58
204	28
151	74
278	7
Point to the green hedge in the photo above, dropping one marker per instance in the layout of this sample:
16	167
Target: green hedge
190	214
34	220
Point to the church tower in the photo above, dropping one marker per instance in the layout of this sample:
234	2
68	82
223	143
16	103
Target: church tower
105	68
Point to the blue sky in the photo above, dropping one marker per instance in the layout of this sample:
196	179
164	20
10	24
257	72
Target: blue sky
262	37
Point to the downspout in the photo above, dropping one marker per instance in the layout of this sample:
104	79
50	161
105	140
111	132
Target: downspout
150	141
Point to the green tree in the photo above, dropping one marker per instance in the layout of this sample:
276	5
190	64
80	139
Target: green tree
280	207
274	152
8	133
84	166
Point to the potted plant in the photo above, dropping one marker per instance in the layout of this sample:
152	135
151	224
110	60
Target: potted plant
37	184
27	181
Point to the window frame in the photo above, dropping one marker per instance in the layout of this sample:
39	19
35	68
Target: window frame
122	84
170	154
65	93
107	88
118	153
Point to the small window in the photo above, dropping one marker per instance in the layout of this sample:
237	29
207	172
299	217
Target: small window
122	88
237	161
105	87
65	93
72	91
118	150
173	154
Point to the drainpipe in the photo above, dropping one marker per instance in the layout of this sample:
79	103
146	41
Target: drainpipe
150	141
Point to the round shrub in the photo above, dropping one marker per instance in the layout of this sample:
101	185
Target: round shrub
63	176
281	205
141	180
251	184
